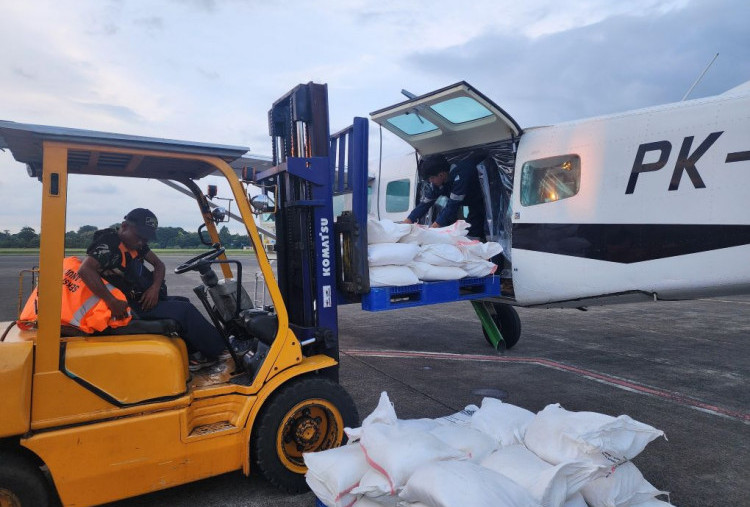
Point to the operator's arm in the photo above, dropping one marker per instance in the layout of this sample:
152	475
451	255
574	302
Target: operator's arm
150	297
89	272
429	197
456	198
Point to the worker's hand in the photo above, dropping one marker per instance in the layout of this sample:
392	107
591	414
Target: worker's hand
434	225
150	298
119	308
407	221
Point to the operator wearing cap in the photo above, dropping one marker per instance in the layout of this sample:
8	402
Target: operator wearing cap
117	255
460	184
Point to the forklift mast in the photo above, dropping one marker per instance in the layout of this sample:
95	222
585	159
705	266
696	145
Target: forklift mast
306	257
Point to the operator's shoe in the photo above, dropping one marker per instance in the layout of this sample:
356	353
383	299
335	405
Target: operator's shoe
239	346
199	362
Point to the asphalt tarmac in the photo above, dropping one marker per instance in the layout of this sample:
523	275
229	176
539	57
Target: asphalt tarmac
679	366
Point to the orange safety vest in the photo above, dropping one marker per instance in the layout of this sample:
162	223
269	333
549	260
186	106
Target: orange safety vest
81	308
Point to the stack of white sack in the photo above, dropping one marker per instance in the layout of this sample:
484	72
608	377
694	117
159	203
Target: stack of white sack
442	253
485	456
387	258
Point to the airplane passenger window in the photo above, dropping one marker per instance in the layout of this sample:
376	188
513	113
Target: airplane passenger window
397	196
550	179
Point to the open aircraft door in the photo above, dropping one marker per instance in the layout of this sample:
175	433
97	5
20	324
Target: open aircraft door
459	122
449	119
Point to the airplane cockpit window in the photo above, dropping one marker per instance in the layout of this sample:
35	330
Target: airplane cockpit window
461	110
412	123
397	196
550	179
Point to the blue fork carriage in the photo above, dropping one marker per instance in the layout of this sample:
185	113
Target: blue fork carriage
348	157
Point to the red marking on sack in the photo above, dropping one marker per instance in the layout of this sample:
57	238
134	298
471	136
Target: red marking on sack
379	469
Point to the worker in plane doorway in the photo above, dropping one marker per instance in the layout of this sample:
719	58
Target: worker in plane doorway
460	184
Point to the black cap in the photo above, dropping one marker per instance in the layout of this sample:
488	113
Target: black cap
434	165
145	222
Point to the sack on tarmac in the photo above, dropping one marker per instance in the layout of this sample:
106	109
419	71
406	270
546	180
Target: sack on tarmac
374	485
624	487
550	485
504	422
430	273
463	484
385	231
332	474
392	276
557	435
385	254
396	452
475	444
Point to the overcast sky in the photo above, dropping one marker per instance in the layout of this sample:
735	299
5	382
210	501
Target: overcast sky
208	70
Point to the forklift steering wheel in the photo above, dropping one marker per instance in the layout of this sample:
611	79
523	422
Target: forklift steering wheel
198	261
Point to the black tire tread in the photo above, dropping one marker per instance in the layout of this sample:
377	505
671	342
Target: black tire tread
21	476
262	443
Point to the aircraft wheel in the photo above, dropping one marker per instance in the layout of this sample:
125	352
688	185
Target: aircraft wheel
22	484
508	322
307	415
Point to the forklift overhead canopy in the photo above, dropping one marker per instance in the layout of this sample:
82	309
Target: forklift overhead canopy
104	153
454	117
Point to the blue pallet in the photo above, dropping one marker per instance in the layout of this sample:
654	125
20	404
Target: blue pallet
429	293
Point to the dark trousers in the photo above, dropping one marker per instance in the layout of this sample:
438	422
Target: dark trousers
198	333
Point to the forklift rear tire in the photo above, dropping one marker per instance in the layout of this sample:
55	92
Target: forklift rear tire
22	483
306	415
508	322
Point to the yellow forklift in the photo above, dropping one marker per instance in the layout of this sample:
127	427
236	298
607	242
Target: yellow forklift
95	418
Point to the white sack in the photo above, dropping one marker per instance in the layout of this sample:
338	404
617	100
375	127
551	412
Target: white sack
557	435
464	484
550	485
373	484
475	444
383	501
396	452
385	231
462	418
575	501
392	276
429	273
440	255
504	422
424	235
653	503
332	474
479	250
478	268
624	487
386	254
384	413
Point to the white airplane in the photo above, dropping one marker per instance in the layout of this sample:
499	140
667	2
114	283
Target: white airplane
643	205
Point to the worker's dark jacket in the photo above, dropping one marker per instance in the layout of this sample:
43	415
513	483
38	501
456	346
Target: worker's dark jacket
462	189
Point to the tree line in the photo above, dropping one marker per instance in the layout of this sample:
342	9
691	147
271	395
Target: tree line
166	237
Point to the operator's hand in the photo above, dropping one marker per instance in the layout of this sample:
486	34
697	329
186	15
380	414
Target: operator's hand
150	298
119	308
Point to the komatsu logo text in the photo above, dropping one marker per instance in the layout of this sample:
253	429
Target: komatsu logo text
325	247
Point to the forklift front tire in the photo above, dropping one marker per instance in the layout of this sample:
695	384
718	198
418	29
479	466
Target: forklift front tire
307	415
22	483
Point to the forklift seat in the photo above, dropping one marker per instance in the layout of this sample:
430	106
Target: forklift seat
166	327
